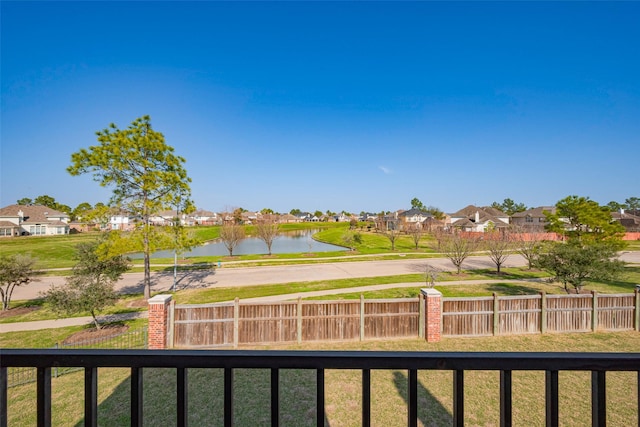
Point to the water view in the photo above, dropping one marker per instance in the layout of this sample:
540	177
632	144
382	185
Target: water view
286	243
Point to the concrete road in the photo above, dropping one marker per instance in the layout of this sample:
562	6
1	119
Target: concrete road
250	276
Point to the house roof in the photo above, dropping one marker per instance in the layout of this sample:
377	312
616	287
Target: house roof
467	216
471	210
202	212
535	212
7	224
31	213
415	211
494	212
626	219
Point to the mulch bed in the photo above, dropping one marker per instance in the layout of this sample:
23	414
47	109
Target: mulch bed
17	311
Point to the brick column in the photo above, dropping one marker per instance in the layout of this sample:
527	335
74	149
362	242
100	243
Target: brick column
159	321
433	314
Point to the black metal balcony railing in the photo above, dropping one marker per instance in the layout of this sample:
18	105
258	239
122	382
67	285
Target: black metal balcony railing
505	363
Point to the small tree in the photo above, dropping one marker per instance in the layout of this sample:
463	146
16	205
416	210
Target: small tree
267	230
392	234
416	233
15	270
231	235
528	245
499	244
458	248
90	288
430	275
351	238
573	264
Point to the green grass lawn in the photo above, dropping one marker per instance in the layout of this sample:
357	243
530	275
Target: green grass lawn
50	251
343	389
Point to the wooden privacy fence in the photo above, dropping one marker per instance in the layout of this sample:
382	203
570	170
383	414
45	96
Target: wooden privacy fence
429	316
512	315
237	323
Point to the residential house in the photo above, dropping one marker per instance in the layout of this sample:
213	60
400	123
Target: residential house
479	219
388	222
307	217
288	218
368	216
37	220
532	219
203	217
414	216
631	223
250	217
121	221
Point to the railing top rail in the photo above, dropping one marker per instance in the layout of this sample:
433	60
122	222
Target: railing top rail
319	359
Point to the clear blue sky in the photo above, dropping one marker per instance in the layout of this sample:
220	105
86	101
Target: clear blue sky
331	105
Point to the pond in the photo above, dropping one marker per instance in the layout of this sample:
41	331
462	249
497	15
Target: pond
291	242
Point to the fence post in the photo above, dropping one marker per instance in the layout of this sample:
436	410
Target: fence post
421	315
299	323
236	317
361	317
158	321
594	312
172	314
543	312
496	318
637	292
433	314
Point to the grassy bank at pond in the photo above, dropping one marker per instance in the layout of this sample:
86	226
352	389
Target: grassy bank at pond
343	389
375	243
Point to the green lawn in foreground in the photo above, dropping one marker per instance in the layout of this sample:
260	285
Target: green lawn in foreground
343	389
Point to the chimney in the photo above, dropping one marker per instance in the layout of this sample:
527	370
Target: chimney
21	216
477	219
621	211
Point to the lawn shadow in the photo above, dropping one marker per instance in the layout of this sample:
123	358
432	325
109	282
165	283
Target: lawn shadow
628	280
513	289
430	410
197	278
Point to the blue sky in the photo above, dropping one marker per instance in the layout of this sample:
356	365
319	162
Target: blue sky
356	106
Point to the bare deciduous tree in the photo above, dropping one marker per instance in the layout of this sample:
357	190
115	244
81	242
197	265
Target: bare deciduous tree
528	244
231	235
457	248
15	270
267	230
499	243
430	275
392	235
416	232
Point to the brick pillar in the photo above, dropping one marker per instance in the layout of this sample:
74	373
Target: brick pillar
159	321
433	314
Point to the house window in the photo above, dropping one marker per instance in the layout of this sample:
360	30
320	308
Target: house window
37	230
528	219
